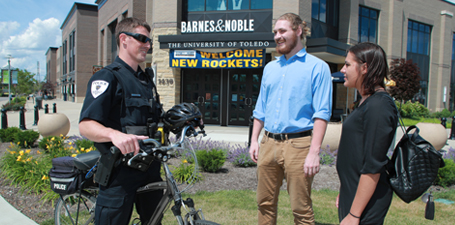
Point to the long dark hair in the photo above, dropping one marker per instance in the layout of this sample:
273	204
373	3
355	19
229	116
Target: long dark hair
377	69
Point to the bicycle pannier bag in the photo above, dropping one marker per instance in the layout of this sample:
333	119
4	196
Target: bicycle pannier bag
64	176
414	166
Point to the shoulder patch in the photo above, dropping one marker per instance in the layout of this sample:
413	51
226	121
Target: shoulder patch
99	87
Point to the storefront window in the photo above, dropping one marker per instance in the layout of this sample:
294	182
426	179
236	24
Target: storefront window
222	5
261	4
215	5
196	5
239	4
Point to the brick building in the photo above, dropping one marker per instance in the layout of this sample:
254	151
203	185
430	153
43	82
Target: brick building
78	52
193	42
51	68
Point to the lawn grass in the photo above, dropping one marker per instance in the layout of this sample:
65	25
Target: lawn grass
239	208
413	121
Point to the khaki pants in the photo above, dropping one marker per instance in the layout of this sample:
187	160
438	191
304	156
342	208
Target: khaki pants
278	160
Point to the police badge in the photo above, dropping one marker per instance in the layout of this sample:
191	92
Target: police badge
99	87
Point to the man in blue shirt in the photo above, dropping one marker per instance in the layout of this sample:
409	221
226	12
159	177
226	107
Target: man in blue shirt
294	106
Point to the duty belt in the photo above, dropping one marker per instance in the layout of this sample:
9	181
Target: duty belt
285	136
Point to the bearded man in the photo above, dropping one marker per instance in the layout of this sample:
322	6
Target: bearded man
293	107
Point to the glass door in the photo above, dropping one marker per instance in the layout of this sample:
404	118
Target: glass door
243	92
202	87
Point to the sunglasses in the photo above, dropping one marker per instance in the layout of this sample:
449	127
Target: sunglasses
140	37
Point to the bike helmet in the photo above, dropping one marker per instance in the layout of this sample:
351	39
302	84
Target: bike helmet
180	115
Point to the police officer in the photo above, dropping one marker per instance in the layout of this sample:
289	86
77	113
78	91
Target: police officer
120	99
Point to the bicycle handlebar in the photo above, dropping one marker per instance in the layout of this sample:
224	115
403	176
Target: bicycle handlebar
151	147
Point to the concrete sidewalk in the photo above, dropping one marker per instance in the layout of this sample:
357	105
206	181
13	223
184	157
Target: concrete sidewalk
232	135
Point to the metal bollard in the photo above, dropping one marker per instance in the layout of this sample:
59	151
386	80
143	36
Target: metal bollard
46	108
4	119
54	109
22	119
443	121
36	115
452	130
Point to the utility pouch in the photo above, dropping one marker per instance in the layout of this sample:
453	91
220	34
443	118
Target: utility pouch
105	166
136	130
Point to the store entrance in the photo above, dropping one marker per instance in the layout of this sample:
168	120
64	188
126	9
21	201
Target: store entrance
243	92
225	97
203	88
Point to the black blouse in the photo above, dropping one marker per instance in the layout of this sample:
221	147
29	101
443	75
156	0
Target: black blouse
366	137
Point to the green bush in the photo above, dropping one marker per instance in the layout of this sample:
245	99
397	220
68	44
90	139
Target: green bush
8	134
185	173
15	104
84	143
26	139
55	147
446	174
412	109
211	160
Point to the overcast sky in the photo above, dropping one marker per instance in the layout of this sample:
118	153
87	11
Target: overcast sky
28	28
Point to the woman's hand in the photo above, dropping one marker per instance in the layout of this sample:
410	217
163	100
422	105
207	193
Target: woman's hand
350	220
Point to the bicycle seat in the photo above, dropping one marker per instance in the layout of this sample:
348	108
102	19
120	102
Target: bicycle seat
87	160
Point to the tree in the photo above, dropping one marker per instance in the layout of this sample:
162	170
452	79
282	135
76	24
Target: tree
48	88
406	77
25	83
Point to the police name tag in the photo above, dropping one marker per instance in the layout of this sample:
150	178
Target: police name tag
99	87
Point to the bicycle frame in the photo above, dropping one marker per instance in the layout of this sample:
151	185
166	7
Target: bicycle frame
171	189
169	185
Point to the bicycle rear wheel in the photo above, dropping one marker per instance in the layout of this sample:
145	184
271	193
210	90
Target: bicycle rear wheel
66	209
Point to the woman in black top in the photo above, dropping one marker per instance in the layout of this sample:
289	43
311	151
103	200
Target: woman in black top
367	133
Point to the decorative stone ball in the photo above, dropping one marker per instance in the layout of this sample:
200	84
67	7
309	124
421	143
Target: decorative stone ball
434	133
53	124
332	136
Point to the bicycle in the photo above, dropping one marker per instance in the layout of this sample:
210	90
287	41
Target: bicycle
79	208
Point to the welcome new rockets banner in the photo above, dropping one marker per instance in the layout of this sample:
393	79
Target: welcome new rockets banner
240	58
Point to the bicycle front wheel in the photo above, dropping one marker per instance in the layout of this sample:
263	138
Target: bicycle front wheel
75	209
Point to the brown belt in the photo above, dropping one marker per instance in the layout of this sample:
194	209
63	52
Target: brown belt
285	136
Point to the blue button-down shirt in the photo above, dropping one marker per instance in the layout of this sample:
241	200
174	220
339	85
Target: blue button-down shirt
293	93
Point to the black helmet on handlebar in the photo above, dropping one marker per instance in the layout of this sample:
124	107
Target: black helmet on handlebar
180	115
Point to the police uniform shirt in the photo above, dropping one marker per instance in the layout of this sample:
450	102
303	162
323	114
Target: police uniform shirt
104	96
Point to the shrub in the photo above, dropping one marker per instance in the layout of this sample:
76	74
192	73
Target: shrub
240	156
211	160
84	143
55	147
412	109
15	104
199	144
185	173
327	157
81	144
26	139
445	113
446	174
8	134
